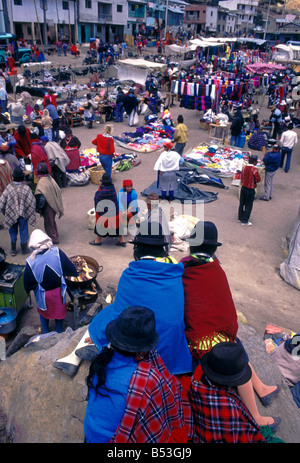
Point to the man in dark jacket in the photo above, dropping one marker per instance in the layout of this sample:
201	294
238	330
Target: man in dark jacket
271	161
236	127
120	105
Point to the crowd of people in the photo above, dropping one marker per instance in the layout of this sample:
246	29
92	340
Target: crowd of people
166	364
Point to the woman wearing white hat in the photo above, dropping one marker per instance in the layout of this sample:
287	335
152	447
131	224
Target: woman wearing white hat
44	274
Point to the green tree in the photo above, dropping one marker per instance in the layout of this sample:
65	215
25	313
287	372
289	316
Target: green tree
259	19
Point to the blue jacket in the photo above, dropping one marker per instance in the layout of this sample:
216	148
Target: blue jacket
52	111
158	286
272	160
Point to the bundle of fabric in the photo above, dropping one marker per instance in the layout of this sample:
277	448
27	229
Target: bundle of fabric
220	161
188	176
184	192
127	161
89	157
145	139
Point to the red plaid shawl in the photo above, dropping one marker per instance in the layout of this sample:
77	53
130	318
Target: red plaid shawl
220	416
157	409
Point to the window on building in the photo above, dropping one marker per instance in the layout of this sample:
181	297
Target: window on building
119	8
65	5
211	13
29	31
88	3
18	2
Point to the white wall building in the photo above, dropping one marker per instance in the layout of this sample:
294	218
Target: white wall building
211	18
27	18
245	12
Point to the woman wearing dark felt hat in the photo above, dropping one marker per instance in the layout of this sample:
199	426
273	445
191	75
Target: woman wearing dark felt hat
209	311
132	397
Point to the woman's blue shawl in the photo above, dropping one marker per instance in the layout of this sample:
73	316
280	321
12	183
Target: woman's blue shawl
158	286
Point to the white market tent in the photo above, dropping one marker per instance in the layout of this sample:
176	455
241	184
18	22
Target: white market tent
180	49
287	52
142	63
212	42
137	69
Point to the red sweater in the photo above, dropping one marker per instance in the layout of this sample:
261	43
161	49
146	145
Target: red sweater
105	144
209	309
23	146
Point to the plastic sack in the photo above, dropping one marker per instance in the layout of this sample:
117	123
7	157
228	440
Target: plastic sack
80	178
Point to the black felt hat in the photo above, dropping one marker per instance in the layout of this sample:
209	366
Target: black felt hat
204	233
42	168
18	174
150	234
226	364
106	179
134	330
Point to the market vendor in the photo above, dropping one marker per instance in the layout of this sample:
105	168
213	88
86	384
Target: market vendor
68	106
70	141
23	145
39	154
45	272
7	141
258	140
89	110
36	118
128	202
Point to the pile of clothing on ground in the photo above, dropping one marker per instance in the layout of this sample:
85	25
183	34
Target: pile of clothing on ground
89	157
145	139
219	160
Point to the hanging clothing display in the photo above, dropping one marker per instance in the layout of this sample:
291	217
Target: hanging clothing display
206	93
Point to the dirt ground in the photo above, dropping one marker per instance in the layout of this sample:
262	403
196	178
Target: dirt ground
250	256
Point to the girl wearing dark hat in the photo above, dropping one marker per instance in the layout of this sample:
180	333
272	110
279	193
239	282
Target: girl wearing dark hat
17	204
107	212
220	416
124	372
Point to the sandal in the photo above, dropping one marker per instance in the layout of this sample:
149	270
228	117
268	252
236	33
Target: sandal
93	243
121	244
